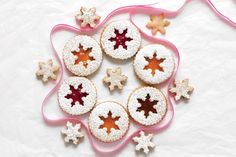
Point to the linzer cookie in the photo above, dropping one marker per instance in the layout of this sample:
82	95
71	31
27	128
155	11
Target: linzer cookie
154	64
120	39
77	95
147	105
108	121
82	55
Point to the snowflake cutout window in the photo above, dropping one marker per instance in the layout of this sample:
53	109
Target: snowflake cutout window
109	122
144	142
120	39
72	133
147	106
83	56
76	95
154	64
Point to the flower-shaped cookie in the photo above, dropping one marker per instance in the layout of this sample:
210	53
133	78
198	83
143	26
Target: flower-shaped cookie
108	121
82	55
147	105
154	64
77	95
87	17
120	39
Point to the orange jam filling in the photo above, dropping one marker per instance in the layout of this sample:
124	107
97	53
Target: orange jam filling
154	64
109	122
83	56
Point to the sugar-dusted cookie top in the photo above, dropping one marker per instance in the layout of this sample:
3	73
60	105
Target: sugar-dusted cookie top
147	105
120	39
82	55
154	64
108	121
77	95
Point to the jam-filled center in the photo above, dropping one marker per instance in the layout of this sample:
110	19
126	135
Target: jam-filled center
109	122
120	39
147	106
154	64
76	95
83	56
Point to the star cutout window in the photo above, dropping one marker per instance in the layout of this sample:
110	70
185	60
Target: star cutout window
109	122
83	56
147	106
76	95
154	64
120	39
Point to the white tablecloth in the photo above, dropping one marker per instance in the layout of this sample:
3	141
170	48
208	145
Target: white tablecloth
205	126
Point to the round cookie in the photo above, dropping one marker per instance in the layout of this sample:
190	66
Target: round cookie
154	64
82	55
120	39
108	121
77	95
147	105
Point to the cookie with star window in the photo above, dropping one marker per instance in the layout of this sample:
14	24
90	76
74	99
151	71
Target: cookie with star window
108	121
147	105
77	95
82	55
154	64
120	39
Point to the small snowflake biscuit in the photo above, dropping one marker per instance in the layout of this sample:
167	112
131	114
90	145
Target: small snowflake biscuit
72	133
87	17
182	89
82	55
154	64
147	105
144	142
77	95
109	121
115	78
47	70
120	39
157	23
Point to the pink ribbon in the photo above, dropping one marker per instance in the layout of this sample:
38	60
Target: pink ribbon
132	10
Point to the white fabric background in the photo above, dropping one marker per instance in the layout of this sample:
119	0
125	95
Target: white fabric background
205	126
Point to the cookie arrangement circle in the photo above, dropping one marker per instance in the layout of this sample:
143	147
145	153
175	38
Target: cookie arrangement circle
108	121
147	105
77	95
120	39
154	64
82	55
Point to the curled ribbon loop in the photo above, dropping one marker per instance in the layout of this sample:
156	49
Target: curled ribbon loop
132	10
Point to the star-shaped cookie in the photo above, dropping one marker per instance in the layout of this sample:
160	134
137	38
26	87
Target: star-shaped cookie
144	142
47	70
72	133
182	89
87	17
157	24
115	79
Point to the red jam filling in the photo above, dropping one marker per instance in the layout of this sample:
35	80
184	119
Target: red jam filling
76	95
120	39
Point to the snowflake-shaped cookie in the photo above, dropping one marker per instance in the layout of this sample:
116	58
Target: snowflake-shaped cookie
182	89
157	23
144	142
115	78
47	70
72	133
87	16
